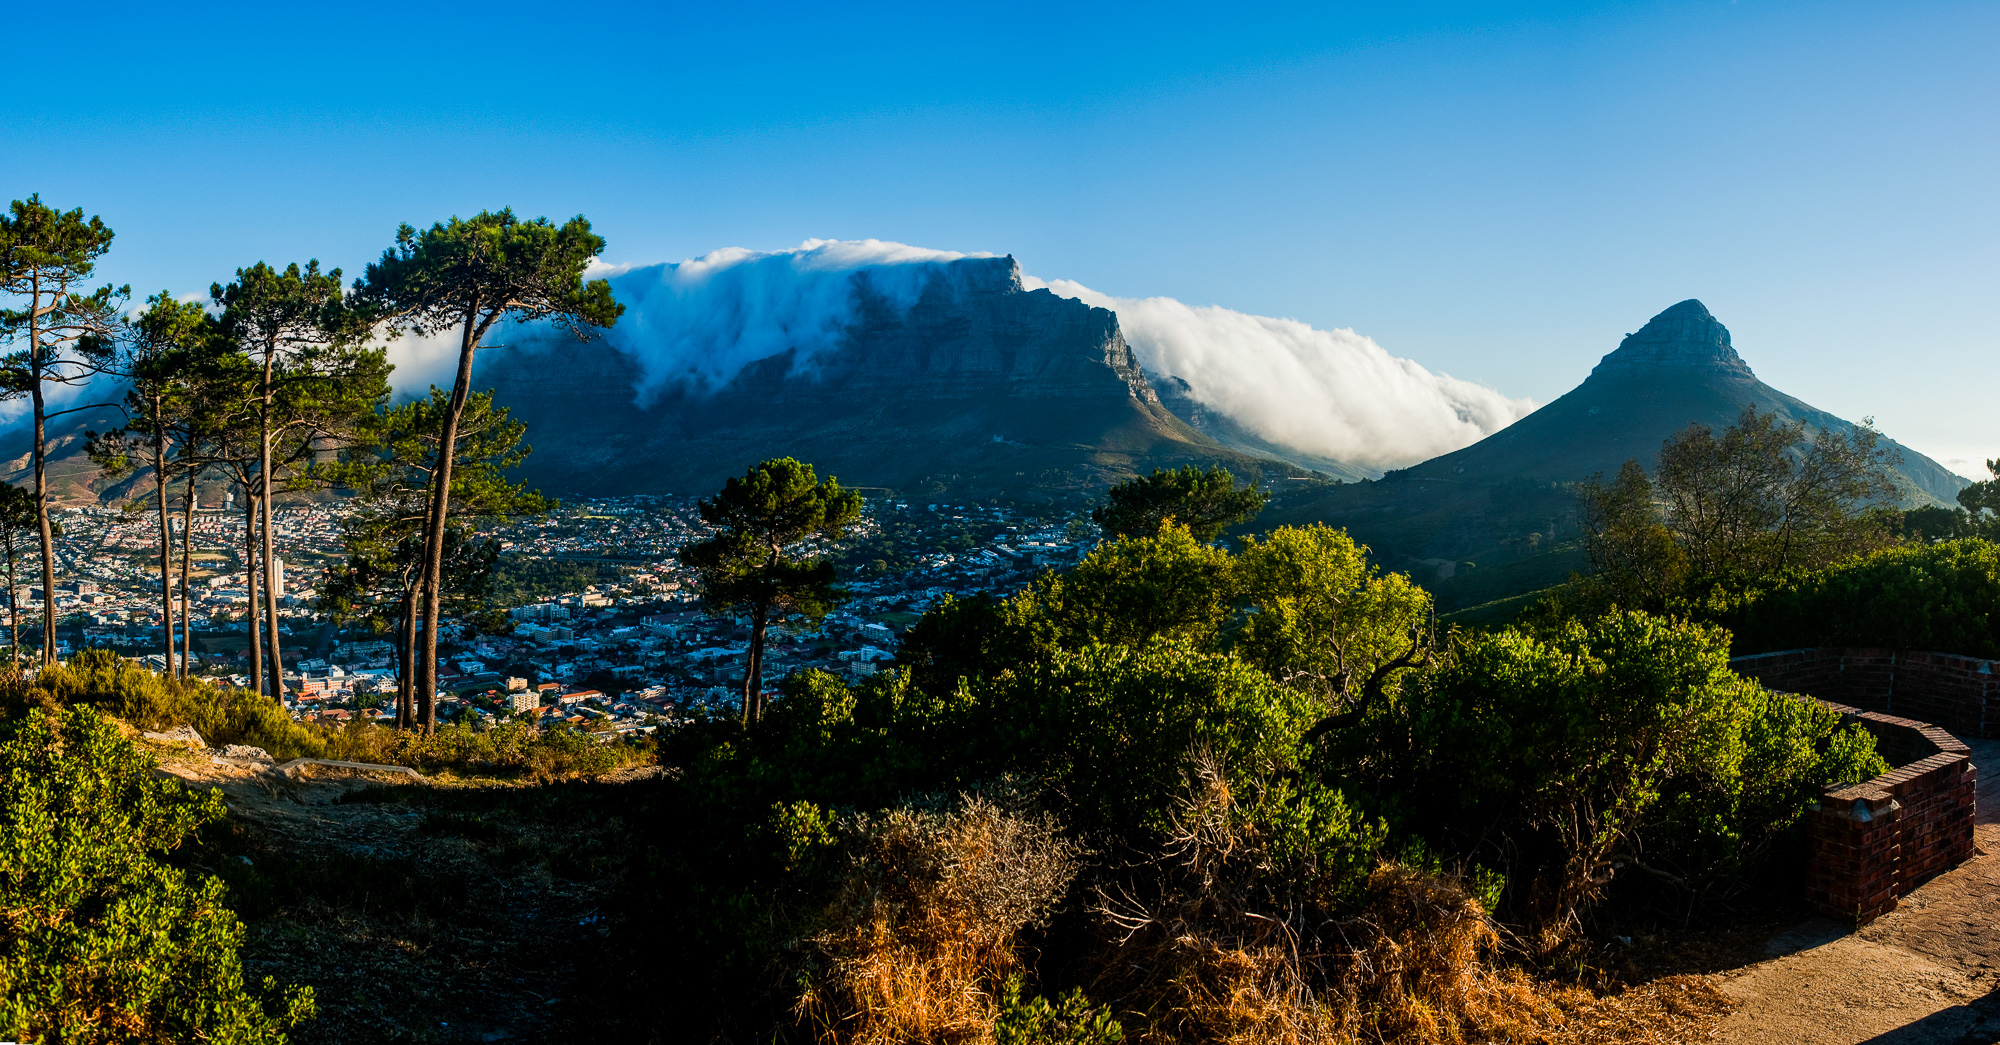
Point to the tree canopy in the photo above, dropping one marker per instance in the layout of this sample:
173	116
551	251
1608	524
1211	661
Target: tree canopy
753	563
1204	502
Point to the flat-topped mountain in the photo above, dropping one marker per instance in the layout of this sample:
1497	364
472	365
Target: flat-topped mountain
1504	502
956	377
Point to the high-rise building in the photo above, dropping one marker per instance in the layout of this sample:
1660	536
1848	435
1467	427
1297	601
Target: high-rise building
278	576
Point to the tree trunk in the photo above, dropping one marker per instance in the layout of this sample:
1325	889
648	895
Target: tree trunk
424	710
13	603
166	539
406	648
270	555
753	676
187	549
42	505
250	586
434	528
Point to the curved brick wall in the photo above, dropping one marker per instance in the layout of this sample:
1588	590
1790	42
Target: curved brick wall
1958	693
1871	843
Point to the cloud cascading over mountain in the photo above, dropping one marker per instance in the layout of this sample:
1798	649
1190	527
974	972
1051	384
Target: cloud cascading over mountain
1335	394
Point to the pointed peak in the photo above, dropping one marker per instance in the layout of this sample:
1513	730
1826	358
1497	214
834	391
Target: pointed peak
1684	335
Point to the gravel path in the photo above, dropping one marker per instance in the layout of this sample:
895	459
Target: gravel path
1927	972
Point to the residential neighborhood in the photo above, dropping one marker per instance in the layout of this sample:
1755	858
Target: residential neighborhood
629	648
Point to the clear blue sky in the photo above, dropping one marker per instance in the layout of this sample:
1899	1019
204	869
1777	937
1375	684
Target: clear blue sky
1497	191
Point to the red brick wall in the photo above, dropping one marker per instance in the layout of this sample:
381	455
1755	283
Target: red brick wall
1871	843
1958	693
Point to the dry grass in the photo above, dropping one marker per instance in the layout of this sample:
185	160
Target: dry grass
1234	946
920	936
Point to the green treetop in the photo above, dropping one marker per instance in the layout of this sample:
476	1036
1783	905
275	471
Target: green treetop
750	563
468	276
1204	502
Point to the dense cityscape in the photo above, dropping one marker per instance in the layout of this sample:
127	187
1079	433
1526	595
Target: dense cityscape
590	619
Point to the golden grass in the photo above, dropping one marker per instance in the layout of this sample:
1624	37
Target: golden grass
920	936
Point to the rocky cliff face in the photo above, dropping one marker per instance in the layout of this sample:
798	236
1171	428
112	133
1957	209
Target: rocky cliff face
1685	335
978	385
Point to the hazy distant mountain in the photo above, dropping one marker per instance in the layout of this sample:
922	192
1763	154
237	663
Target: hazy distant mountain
1503	502
969	383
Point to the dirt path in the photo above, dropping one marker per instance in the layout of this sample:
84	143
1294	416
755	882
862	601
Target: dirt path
417	913
1927	972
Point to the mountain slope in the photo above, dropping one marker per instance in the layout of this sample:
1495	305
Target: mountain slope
1680	369
1505	503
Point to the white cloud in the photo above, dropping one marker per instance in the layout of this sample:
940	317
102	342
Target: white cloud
1334	393
701	321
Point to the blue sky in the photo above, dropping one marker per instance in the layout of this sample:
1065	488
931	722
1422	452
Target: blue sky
1496	191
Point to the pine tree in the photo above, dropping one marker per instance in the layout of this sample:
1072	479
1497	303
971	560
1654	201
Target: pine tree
312	383
389	470
163	353
62	331
468	276
752	562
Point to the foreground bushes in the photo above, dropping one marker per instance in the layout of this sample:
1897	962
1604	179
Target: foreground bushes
150	700
100	940
1562	759
1287	813
225	715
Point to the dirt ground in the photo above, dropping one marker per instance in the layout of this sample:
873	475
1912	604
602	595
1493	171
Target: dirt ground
1927	972
418	913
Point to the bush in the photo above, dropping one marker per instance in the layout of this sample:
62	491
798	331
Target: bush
510	748
1549	758
103	942
225	715
1112	727
151	700
1939	597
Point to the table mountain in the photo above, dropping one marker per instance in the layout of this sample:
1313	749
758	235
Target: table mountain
979	386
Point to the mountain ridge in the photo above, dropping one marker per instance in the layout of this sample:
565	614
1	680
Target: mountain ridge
1505	505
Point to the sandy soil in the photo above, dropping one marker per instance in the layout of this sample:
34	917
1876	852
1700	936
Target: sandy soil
1927	972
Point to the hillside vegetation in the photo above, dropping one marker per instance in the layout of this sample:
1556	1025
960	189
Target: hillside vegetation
1183	794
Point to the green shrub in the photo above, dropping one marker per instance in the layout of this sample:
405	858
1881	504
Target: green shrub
103	942
1112	727
224	715
1564	758
1941	597
510	748
1073	1020
150	700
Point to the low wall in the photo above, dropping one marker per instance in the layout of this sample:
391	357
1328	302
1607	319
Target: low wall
1871	843
1957	693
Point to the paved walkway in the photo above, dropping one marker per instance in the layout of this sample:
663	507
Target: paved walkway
1927	972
